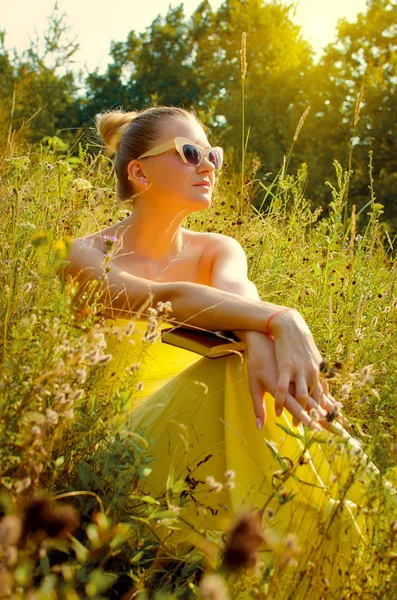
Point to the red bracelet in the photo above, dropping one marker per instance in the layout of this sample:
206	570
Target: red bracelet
273	315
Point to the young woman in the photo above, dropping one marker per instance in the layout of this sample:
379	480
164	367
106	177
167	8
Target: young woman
198	411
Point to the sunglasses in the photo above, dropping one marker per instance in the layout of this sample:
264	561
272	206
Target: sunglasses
190	153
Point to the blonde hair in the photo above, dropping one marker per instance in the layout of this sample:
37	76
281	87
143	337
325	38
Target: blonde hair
130	134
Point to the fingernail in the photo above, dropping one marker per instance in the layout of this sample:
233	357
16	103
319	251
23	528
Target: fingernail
278	411
258	423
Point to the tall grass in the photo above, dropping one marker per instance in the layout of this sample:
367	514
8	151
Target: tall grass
60	435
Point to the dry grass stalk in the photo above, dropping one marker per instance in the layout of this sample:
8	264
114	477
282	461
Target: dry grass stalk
300	124
243	53
358	106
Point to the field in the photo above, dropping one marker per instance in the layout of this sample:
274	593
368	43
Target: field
60	437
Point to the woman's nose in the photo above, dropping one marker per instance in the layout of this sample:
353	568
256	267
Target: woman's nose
205	165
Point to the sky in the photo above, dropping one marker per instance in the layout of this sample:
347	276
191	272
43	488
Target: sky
96	22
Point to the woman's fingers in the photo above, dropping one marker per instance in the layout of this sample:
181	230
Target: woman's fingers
257	390
299	415
282	391
317	392
301	393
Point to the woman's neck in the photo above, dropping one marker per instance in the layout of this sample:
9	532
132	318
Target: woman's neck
153	237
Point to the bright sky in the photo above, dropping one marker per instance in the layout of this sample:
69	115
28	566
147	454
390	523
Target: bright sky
97	22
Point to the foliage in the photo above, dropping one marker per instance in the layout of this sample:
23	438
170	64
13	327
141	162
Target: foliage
59	433
36	99
361	58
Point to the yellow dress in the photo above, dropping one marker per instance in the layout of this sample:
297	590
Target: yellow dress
198	414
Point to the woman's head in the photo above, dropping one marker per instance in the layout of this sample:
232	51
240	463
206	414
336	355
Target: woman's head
131	134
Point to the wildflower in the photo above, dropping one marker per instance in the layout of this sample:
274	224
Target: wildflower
139	386
81	184
212	587
99	339
387	310
22	485
104	360
210	481
314	414
81	375
76	395
52	417
130	328
345	389
135	367
230	474
11	556
366	375
394	303
36	430
69	414
244	541
152	312
269	513
27	287
92	356
164	522
150	338
374	321
290	550
230	485
110	242
10	531
59	397
175	509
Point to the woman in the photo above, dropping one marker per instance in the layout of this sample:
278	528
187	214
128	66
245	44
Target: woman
197	411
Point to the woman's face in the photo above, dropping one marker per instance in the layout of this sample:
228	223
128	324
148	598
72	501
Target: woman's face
174	181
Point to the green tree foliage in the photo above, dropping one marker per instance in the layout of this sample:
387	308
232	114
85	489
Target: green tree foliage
278	60
363	56
35	99
166	64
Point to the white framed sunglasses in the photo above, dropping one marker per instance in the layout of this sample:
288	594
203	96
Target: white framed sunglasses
189	152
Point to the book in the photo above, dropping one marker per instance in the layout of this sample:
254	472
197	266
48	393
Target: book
212	344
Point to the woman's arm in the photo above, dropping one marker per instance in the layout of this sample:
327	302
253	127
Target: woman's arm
229	272
125	295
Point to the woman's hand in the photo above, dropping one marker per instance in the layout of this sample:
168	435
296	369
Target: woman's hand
298	361
263	375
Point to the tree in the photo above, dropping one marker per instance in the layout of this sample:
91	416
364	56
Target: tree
363	56
36	100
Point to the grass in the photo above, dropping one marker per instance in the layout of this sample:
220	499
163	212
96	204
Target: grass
59	435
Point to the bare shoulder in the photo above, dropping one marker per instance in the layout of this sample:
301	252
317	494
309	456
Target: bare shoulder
218	243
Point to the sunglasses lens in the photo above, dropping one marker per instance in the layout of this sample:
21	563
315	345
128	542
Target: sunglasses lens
192	154
215	158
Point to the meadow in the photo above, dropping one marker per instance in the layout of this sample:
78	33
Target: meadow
61	438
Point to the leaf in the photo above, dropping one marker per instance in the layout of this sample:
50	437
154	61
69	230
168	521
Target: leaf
178	486
290	432
147	499
137	557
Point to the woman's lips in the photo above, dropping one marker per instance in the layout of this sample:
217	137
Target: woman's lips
203	184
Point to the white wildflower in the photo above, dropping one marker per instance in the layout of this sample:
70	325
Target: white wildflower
52	417
130	328
81	375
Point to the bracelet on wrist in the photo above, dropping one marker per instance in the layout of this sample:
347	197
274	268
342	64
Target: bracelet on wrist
267	330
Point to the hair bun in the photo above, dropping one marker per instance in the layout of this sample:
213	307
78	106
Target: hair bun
112	125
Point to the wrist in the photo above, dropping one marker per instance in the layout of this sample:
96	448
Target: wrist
278	319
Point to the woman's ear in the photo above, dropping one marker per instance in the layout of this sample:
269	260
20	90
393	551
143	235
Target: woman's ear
136	174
